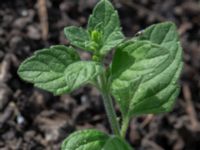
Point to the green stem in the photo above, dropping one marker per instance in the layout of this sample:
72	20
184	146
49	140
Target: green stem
108	103
125	124
112	117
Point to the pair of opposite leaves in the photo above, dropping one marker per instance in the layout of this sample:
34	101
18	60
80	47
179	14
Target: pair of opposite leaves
143	73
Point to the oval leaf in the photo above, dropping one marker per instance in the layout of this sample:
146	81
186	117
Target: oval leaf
46	68
152	68
93	140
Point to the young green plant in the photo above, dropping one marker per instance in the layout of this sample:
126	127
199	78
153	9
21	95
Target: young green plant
142	76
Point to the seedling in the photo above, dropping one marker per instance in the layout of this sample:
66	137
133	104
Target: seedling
142	77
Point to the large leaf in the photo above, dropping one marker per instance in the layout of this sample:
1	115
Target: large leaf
93	140
46	68
151	71
58	70
105	20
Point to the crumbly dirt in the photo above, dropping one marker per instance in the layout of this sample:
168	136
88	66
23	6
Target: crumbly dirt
32	119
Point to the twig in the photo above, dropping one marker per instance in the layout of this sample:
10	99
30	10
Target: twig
184	27
43	15
190	108
152	144
4	68
147	120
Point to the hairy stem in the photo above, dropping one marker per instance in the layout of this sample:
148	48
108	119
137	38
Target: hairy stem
125	124
108	103
112	117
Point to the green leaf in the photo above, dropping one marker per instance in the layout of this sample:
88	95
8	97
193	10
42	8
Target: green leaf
151	71
162	34
124	95
81	72
58	70
86	139
116	143
93	140
78	37
46	68
105	20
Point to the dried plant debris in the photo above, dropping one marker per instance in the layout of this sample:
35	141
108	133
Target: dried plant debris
172	131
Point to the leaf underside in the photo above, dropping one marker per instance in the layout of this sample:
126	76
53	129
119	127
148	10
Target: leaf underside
93	140
150	72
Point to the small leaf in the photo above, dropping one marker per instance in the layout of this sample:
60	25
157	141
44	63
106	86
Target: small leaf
105	20
46	68
81	72
78	37
93	140
116	143
151	71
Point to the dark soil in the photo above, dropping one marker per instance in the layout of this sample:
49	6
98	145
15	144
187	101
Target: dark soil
32	119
